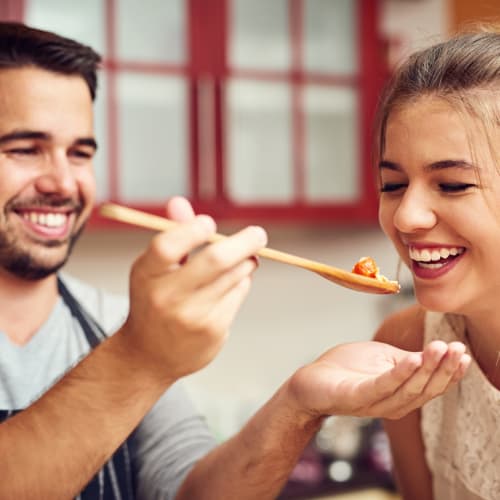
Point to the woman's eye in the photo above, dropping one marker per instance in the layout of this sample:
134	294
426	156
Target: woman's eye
455	187
390	187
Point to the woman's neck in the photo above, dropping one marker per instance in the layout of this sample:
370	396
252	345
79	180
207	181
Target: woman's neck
483	337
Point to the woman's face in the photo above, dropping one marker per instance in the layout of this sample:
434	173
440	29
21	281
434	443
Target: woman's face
440	205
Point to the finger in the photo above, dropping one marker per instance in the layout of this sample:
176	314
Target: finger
215	290
204	301
168	248
433	354
218	318
196	304
218	258
389	382
465	362
411	389
443	375
413	394
179	209
231	303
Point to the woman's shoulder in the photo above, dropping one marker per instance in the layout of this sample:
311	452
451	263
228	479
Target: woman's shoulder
404	328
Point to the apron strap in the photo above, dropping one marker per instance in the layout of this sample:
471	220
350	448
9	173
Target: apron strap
92	330
115	480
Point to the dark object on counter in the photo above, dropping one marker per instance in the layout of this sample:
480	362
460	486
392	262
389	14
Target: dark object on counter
347	454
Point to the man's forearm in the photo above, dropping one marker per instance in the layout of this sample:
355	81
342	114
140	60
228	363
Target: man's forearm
257	461
54	447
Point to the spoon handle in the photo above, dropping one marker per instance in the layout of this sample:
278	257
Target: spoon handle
151	221
335	274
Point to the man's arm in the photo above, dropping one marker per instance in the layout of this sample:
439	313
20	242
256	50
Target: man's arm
178	321
366	378
53	448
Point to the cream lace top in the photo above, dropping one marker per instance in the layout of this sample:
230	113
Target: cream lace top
461	429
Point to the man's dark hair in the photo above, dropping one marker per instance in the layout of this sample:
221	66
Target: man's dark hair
21	46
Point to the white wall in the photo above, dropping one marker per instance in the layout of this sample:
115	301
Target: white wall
413	24
291	316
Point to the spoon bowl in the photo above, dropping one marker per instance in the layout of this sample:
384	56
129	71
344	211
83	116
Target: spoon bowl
339	276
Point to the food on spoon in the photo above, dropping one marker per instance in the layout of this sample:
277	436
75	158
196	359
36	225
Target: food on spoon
366	266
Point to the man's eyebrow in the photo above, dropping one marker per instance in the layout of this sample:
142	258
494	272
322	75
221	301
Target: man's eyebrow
23	134
18	135
87	141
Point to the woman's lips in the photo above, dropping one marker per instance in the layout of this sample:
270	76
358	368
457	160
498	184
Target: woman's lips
435	269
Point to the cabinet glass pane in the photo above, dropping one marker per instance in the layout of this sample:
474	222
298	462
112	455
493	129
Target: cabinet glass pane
101	165
332	144
259	142
330	35
151	30
152	137
259	35
83	21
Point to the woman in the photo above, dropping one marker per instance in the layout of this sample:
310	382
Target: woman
438	155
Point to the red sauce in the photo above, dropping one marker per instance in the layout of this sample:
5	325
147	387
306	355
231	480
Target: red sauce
366	266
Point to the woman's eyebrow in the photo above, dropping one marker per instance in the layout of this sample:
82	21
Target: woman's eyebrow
437	165
443	164
389	165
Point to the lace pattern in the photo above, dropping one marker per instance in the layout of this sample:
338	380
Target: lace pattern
460	428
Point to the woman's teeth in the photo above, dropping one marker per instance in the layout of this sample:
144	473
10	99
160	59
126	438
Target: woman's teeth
431	257
46	219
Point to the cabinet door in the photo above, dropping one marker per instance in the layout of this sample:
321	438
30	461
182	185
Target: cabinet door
251	108
297	107
142	109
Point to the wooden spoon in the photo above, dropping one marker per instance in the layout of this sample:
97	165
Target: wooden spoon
341	277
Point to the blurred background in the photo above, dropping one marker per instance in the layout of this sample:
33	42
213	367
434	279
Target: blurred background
259	111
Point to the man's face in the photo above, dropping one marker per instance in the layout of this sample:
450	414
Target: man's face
47	184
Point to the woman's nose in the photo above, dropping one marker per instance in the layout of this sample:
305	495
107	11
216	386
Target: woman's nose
415	211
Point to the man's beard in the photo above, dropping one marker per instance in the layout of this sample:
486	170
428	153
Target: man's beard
25	265
18	258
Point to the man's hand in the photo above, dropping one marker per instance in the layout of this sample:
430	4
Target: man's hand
376	379
181	309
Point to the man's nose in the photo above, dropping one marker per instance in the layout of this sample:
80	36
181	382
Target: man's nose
58	176
415	211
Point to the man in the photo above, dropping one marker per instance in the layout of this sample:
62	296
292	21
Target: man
96	417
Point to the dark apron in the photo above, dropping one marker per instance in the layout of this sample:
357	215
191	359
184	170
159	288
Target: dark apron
115	480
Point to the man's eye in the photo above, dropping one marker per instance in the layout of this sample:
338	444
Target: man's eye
22	151
455	187
83	154
390	187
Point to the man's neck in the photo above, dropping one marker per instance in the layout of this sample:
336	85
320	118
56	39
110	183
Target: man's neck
26	305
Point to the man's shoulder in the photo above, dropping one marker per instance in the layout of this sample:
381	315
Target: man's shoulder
107	308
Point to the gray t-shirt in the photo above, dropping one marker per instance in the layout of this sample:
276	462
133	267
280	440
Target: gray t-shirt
171	437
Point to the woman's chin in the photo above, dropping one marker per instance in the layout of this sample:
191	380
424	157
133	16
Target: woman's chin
436	301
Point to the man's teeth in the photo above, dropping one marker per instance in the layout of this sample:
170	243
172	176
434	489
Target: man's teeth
46	219
435	254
